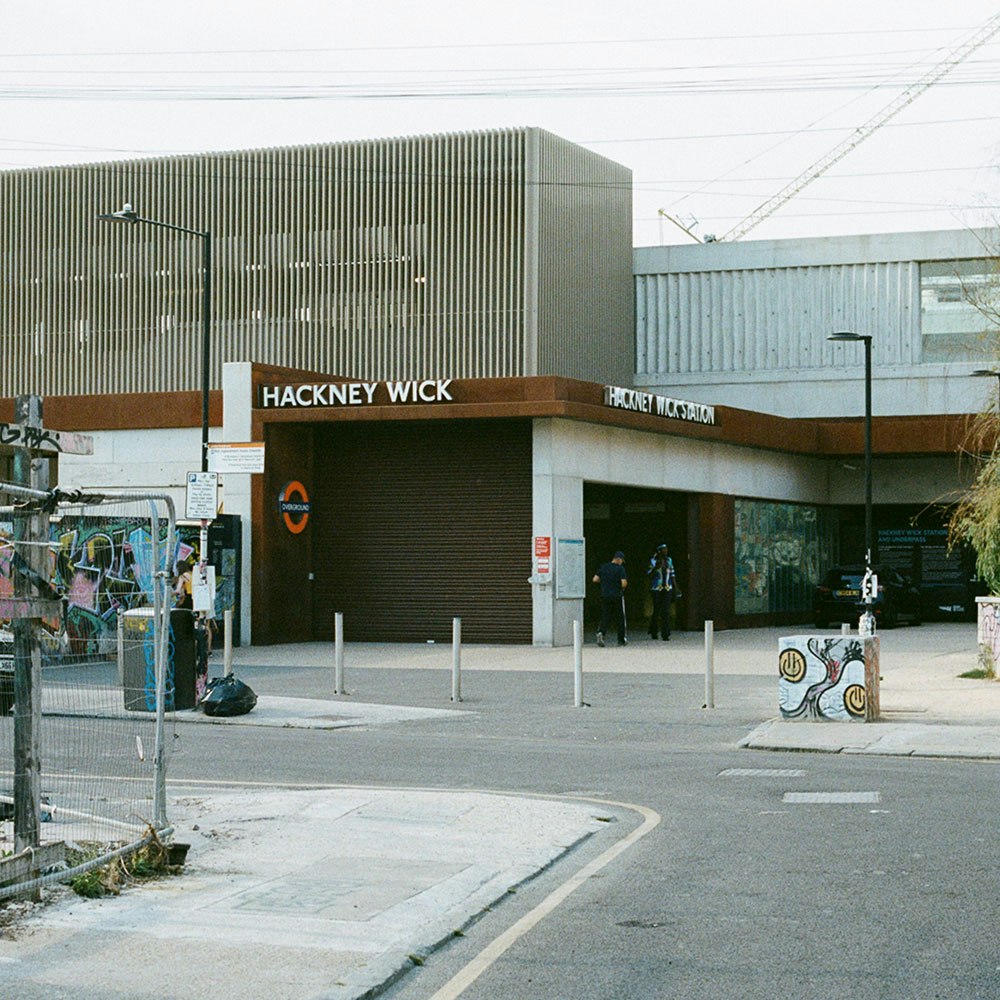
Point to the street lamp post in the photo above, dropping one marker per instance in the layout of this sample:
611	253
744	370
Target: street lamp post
128	216
843	337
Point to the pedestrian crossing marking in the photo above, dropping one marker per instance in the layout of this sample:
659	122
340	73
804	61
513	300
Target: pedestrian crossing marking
831	798
762	772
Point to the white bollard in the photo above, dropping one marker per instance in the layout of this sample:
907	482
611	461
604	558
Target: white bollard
577	664
709	664
456	659
227	642
845	628
338	653
121	646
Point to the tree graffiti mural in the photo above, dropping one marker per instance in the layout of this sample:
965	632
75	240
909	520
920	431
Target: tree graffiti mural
821	678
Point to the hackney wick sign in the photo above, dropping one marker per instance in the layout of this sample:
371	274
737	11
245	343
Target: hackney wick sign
660	406
308	395
430	390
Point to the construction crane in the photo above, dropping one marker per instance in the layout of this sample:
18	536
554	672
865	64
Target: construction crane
790	190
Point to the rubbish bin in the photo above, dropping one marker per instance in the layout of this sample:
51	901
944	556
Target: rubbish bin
139	666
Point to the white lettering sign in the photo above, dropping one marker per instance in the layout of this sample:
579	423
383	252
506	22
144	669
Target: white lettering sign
356	393
661	406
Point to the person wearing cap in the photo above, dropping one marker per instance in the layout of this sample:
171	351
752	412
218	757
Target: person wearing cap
613	580
663	585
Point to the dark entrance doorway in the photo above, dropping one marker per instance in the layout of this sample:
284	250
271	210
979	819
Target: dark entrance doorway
634	520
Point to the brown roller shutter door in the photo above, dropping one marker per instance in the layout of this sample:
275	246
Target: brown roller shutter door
416	523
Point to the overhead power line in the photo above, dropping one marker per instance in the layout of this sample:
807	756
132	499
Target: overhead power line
912	92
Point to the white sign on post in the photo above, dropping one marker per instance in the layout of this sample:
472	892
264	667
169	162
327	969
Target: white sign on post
239	458
203	589
202	497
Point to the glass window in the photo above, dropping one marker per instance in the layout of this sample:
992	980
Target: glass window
959	300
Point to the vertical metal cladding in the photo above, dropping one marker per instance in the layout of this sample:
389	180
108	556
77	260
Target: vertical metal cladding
584	264
773	318
388	258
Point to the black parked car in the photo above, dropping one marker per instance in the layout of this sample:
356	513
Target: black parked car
838	597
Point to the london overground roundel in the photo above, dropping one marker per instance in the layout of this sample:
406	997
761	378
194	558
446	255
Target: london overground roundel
792	665
293	505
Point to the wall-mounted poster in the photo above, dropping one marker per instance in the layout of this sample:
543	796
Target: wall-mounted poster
571	575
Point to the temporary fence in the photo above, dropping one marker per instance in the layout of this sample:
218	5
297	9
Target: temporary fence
84	688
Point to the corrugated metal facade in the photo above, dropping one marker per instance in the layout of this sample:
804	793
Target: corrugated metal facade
414	257
773	319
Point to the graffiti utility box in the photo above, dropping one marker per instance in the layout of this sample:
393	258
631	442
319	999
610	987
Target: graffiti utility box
828	678
139	666
988	633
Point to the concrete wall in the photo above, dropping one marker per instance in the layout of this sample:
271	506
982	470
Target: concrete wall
154	461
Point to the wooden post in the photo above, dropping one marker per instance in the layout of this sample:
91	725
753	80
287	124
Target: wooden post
30	530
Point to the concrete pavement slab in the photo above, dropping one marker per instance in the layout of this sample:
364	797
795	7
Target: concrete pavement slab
296	894
880	738
270	710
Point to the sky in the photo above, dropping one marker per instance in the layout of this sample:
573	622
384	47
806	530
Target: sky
717	106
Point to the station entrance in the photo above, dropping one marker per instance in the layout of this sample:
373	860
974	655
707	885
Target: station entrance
634	520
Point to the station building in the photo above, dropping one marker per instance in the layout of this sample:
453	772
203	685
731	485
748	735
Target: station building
472	390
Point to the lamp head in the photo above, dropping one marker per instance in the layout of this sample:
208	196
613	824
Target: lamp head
845	335
986	371
125	214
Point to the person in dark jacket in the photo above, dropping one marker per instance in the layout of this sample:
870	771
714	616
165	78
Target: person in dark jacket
663	587
613	580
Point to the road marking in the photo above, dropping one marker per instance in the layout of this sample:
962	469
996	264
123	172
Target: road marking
762	772
830	798
468	975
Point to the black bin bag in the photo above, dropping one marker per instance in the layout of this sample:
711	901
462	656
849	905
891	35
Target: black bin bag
227	696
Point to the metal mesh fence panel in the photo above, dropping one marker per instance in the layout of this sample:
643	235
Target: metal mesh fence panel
109	666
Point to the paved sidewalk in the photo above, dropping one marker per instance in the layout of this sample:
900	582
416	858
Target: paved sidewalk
331	892
325	893
927	708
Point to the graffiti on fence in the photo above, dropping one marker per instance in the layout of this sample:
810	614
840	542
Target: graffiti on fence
100	565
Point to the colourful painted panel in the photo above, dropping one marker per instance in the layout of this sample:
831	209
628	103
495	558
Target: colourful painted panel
822	678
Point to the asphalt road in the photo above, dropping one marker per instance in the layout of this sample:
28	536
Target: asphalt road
740	891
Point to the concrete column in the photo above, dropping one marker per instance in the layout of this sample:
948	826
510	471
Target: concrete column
237	404
557	512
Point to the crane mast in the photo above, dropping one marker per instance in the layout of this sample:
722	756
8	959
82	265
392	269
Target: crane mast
910	94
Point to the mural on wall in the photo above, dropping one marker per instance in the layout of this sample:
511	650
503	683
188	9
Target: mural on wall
102	564
821	678
781	551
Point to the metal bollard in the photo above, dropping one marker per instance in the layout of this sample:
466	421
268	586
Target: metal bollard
577	664
845	628
709	664
227	642
121	645
338	653
456	659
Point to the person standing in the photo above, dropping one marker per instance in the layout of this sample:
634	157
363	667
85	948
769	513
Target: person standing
663	585
613	580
